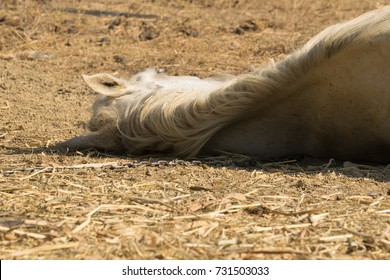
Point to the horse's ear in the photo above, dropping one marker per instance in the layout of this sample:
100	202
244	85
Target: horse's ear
106	84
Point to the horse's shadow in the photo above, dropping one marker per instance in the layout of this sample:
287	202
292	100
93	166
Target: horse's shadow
294	165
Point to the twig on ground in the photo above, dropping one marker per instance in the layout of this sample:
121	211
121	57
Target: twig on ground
44	248
23	233
113	165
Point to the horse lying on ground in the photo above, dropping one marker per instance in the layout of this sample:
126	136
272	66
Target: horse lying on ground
329	99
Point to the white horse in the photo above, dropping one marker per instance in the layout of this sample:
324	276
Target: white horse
329	99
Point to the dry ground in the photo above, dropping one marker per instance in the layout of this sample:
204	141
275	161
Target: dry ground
158	207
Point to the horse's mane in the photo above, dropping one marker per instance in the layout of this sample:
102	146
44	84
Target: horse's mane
183	123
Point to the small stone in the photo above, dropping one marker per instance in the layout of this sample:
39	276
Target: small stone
104	41
120	59
239	31
234	45
148	35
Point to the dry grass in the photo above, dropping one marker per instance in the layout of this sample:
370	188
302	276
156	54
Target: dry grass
96	206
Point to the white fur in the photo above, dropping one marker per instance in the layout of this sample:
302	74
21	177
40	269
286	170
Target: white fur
329	99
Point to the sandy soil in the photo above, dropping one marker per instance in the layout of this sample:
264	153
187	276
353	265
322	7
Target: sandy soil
98	206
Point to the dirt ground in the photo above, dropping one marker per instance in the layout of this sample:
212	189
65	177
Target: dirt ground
98	206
